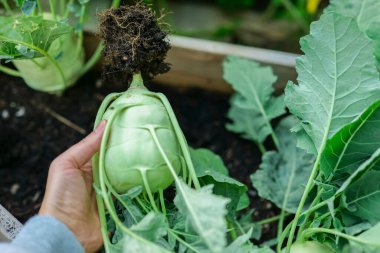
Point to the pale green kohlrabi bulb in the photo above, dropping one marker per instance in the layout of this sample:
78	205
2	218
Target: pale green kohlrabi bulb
131	151
41	74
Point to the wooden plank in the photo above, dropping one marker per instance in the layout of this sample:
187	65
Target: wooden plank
198	63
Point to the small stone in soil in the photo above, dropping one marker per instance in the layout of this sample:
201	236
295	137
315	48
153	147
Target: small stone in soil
14	188
5	114
20	112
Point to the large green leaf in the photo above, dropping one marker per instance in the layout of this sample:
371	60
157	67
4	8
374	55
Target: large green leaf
205	214
352	145
24	37
210	169
367	15
367	242
283	175
365	11
243	245
337	79
253	106
152	227
362	198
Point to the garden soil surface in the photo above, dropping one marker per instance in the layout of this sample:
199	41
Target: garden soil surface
31	136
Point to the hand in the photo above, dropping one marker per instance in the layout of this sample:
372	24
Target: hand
69	194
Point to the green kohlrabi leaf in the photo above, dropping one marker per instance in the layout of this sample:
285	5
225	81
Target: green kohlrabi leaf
283	175
362	198
204	214
25	37
210	169
148	232
152	227
351	146
367	15
253	106
367	242
364	11
243	245
133	245
205	161
338	80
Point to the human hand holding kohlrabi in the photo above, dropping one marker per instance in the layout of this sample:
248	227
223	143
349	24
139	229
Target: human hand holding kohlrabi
70	196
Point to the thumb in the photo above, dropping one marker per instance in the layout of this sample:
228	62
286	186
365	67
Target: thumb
82	152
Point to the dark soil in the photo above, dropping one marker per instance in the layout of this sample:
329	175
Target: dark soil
135	41
31	137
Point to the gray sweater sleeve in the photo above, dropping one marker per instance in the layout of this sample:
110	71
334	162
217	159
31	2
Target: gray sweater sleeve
43	234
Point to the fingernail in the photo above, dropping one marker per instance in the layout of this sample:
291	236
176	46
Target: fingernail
100	127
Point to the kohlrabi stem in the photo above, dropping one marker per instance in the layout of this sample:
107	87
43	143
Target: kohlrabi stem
283	236
67	12
62	7
261	147
10	71
296	14
182	241
53	8
94	58
81	24
305	194
308	212
115	4
39	7
137	81
6	6
181	139
232	230
162	202
308	232
270	219
140	202
147	189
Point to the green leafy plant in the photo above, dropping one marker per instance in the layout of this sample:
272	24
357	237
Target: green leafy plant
324	169
144	158
46	50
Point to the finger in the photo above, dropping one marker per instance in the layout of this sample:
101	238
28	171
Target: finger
82	152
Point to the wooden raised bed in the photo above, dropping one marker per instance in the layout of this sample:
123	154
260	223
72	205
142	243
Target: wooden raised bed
198	62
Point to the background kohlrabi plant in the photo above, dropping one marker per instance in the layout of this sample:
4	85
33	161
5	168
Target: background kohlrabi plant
45	45
323	167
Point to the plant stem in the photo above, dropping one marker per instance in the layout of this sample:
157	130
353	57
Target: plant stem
308	232
295	13
6	6
94	59
261	147
39	7
10	71
115	4
232	230
81	24
137	81
67	12
53	8
148	191
305	194
62	7
183	241
270	219
139	201
162	202
283	236
308	213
